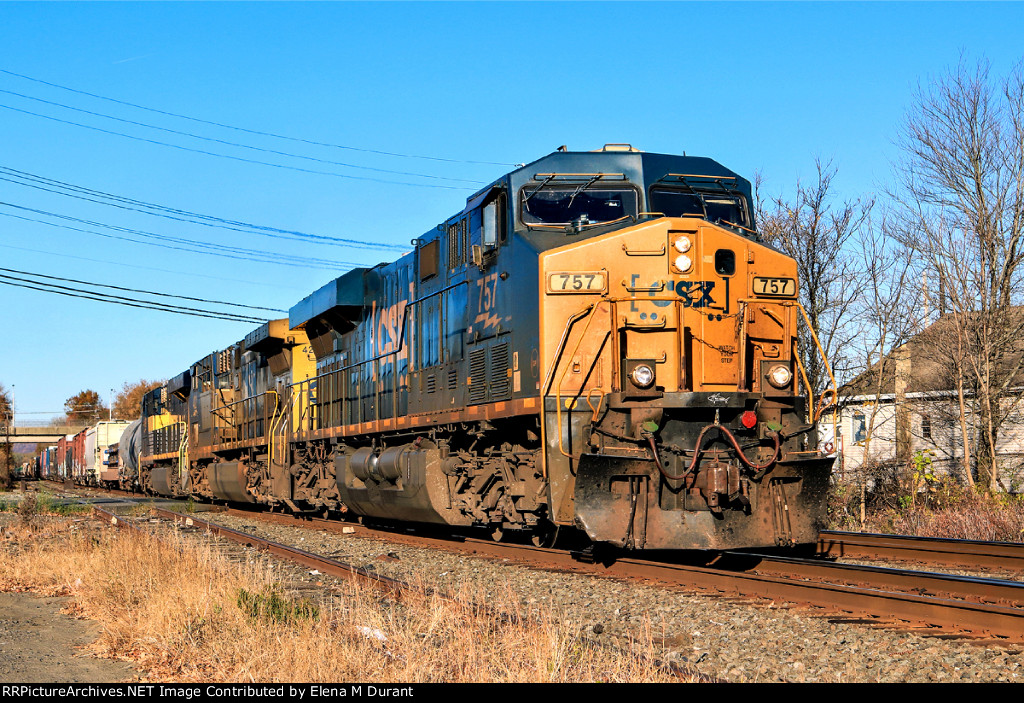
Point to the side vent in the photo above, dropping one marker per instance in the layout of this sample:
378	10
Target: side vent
477	376
499	379
453	379
431	383
489	374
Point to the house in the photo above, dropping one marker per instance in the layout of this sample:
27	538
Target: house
916	407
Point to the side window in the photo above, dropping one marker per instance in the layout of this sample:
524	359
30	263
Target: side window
429	259
860	429
494	232
490	238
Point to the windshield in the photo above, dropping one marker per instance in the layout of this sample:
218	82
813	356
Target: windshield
712	206
560	205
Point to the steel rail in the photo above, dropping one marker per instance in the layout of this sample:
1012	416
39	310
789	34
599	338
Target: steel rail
934	550
336	568
970	588
323	564
978	619
869	600
927	600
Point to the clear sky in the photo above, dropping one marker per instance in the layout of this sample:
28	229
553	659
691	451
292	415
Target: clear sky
757	86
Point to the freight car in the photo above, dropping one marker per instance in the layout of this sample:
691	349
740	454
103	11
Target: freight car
597	340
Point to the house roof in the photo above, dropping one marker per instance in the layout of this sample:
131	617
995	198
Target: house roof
925	362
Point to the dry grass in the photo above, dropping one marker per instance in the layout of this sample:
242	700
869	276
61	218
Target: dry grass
950	512
978	520
184	612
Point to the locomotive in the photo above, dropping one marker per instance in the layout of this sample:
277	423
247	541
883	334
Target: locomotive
597	341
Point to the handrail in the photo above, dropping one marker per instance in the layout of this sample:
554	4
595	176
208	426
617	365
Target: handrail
800	366
182	454
401	337
558	387
271	429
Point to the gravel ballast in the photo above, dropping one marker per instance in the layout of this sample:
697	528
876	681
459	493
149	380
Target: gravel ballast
715	637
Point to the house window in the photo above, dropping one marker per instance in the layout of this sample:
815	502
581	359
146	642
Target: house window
926	426
860	429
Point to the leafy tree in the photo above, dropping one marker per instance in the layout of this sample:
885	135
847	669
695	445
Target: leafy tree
129	399
84	408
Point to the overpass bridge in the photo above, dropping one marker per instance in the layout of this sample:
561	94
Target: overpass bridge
40	435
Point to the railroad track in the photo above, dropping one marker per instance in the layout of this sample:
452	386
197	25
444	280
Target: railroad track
394	587
959	553
983	610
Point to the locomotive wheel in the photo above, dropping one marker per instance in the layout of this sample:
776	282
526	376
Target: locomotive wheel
544	535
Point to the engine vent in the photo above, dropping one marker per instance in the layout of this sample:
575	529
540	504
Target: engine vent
478	376
499	379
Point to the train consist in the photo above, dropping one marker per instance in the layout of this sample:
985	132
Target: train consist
598	340
89	457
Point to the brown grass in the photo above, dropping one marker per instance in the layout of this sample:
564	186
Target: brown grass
177	609
951	513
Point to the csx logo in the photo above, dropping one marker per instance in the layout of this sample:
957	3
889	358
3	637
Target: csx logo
694	294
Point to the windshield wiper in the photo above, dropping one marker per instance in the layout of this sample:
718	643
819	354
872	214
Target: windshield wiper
583	186
536	190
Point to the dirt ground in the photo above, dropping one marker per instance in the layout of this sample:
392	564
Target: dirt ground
38	644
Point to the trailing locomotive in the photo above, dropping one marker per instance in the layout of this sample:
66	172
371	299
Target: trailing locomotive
597	340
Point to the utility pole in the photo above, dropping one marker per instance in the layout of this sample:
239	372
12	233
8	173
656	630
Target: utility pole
6	479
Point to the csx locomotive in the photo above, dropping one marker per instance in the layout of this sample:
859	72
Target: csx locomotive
598	340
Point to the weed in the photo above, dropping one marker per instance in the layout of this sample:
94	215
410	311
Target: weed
28	509
272	606
171	607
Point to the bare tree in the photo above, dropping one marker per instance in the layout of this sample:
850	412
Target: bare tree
887	315
816	231
960	188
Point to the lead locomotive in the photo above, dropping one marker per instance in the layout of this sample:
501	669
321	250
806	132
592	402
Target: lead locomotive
597	340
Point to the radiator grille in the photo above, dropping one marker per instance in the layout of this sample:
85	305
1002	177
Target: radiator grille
499	380
478	376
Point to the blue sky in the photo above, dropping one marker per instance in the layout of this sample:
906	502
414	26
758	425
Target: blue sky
758	86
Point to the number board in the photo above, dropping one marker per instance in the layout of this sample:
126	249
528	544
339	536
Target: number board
782	287
577	282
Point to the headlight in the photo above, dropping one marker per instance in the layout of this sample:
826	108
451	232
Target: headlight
780	376
642	376
683	263
683	245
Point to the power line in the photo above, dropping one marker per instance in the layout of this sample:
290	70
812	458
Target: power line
192	246
121	300
252	131
238	144
109	262
234	158
30	180
138	290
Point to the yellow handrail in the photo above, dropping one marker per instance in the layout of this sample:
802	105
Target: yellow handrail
272	429
558	386
183	453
